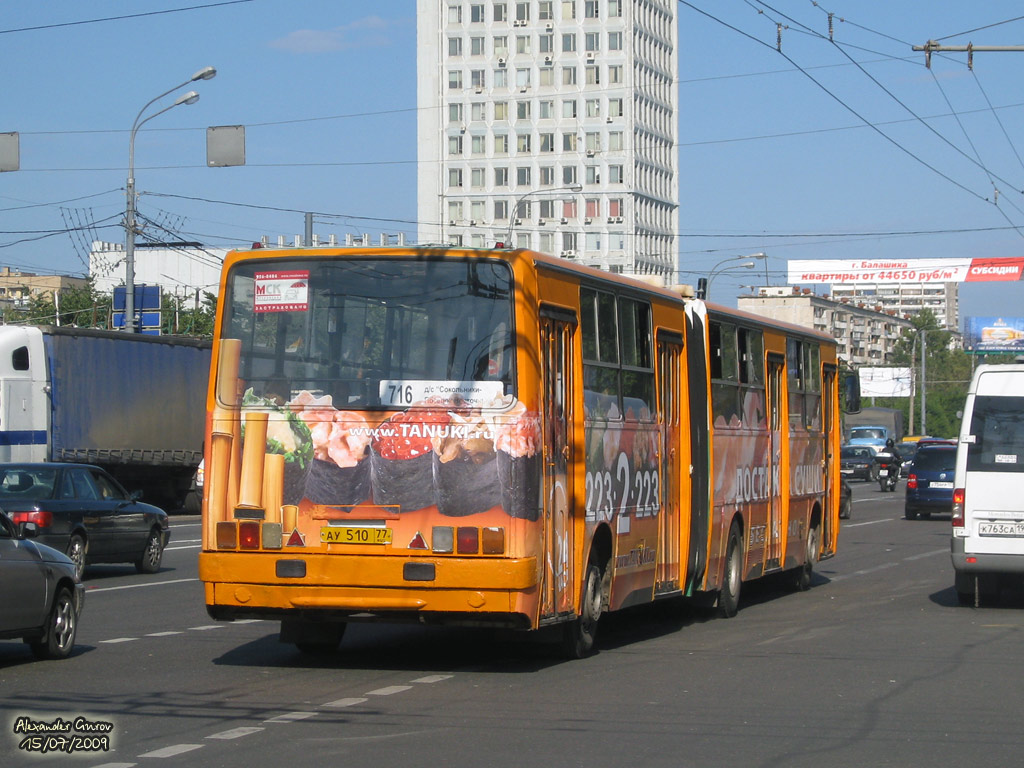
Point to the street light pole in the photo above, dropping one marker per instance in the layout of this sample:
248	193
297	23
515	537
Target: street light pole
515	208
191	97
702	290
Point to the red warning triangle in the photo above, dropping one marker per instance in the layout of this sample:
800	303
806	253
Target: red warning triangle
296	539
418	542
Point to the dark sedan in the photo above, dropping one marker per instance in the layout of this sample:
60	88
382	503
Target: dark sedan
81	510
42	594
858	461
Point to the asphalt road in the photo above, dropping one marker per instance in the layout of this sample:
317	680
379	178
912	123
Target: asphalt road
876	665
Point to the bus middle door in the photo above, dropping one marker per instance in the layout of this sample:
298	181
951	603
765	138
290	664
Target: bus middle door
778	453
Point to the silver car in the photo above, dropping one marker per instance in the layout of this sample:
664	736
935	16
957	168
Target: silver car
41	594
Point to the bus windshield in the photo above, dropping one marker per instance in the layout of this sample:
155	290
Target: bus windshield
362	329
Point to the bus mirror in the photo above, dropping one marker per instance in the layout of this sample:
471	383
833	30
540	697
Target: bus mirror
851	390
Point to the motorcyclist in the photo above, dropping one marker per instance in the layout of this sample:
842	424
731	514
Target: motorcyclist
890	447
890	459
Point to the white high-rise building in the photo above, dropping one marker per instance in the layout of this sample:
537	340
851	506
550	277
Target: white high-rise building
551	124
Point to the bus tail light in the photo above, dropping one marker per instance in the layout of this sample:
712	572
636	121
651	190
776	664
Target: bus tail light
468	540
912	482
249	534
958	508
41	517
227	535
492	541
443	539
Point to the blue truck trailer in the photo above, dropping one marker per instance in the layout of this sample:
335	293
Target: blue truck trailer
130	403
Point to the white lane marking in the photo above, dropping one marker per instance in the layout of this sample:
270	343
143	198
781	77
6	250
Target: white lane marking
869	522
165	634
95	590
389	690
235	733
172	751
345	702
116	765
247	621
119	640
432	679
290	717
928	554
864	572
206	627
190	546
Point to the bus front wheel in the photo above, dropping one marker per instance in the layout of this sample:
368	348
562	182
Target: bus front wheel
729	597
580	635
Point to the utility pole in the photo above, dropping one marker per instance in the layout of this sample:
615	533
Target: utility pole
924	380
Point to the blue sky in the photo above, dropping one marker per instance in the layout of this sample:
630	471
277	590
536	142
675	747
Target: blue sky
849	148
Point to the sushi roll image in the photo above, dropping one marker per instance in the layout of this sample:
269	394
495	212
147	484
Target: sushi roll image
288	436
401	457
340	471
517	443
465	465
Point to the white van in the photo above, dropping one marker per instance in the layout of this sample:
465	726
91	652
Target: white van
988	496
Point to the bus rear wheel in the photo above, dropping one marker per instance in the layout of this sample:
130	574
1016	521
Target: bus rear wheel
314	638
579	637
729	597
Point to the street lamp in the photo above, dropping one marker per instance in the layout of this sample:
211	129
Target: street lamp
206	73
725	266
515	208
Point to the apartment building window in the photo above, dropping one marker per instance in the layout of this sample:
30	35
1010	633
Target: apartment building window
454	46
615	107
476	13
592	174
478	112
568	107
568	75
500	12
476	46
523	143
592	206
614	9
477	241
454	210
454	145
592	41
500	177
615	175
545	10
523	110
568	9
593	241
547	142
615	206
454	177
500	144
546	75
546	43
569	42
547	175
477	177
593	141
501	210
476	78
568	142
523	77
615	140
455	80
454	14
500	110
547	208
454	113
614	41
478	145
501	45
617	241
568	241
590	9
523	176
593	108
614	74
593	74
522	43
569	175
545	109
455	241
547	242
501	78
522	11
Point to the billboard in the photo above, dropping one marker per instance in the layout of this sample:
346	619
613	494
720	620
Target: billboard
885	382
983	335
852	271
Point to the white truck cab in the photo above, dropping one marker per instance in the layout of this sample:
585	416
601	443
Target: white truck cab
988	499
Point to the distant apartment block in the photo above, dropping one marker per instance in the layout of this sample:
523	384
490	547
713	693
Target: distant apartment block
866	334
18	288
551	124
942	299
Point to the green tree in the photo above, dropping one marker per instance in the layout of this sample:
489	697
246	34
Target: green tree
188	317
83	307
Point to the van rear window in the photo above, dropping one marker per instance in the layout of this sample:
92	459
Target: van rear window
997	424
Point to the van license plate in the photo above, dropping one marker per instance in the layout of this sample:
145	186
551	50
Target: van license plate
1001	529
336	534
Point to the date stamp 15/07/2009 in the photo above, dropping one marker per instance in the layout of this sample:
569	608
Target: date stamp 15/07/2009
78	734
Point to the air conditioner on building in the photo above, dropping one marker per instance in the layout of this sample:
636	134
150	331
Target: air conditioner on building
590	55
565	221
451	223
542	222
501	62
590	153
588	221
549	25
569	254
547	59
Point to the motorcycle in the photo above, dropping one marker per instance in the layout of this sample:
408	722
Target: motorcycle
888	470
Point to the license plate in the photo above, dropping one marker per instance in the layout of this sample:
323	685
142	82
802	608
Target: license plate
846	471
338	534
1001	529
941	484
883	473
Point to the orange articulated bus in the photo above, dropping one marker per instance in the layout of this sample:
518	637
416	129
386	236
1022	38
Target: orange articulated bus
501	438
